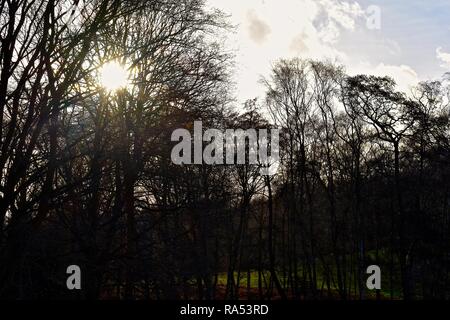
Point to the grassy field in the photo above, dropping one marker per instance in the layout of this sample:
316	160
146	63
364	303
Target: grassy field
322	289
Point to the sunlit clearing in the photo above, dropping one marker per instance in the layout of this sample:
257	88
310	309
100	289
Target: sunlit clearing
113	76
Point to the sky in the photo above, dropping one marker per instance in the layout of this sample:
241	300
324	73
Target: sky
408	40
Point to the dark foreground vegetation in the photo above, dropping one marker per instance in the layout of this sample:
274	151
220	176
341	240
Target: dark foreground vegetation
86	176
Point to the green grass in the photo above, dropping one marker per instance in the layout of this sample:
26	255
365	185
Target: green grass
321	283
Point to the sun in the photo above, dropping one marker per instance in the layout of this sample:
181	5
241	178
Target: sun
113	76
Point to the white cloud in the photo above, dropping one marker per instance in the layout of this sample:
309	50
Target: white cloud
269	30
342	12
405	76
444	57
